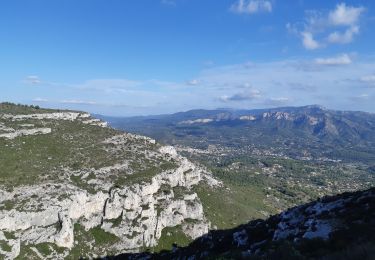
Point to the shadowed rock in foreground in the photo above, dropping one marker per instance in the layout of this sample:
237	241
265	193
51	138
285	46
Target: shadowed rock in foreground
336	227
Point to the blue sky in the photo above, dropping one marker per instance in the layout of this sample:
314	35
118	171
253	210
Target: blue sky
141	57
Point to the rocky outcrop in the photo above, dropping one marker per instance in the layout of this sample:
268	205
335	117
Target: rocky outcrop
142	189
136	214
65	237
26	129
22	132
95	121
71	116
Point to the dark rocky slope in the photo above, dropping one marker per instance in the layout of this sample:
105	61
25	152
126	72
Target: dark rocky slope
336	227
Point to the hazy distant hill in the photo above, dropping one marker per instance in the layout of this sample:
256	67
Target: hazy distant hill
295	131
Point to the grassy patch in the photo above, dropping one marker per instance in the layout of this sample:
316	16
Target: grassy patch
7	205
116	222
5	247
229	208
9	235
170	236
103	237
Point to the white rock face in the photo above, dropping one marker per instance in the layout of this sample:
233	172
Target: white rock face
5	128
168	150
35	131
71	116
119	139
248	118
195	230
95	121
26	129
197	121
136	214
14	220
65	238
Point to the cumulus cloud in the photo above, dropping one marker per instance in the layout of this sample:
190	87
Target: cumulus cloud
33	80
343	37
261	85
286	82
308	41
251	6
345	15
338	26
343	59
243	96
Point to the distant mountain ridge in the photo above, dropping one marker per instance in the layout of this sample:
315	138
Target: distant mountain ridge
288	128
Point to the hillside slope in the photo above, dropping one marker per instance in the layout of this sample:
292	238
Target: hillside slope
71	187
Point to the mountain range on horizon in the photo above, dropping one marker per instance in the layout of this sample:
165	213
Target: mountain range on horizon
289	128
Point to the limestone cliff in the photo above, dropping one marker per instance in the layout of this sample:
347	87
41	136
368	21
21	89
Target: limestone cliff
129	205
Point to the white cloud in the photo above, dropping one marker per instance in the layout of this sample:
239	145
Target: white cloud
33	79
193	82
243	96
369	79
38	99
345	37
343	59
339	26
363	96
345	15
251	6
261	85
308	41
78	102
287	83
